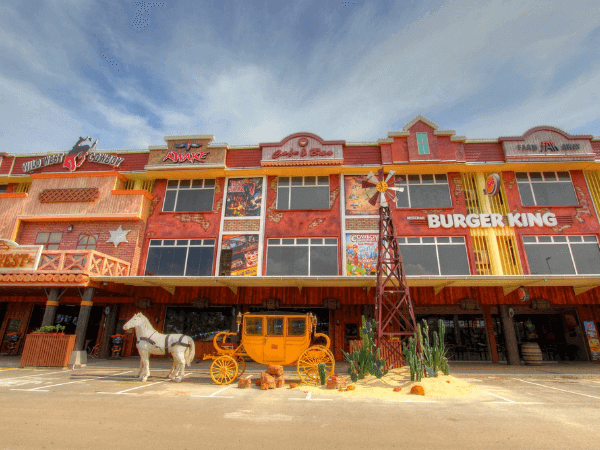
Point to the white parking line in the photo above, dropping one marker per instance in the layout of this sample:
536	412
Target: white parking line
506	400
132	389
43	388
414	401
29	376
557	389
309	397
214	394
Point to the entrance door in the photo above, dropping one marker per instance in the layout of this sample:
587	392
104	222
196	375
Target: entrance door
274	346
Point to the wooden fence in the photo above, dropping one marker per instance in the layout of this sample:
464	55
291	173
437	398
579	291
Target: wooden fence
47	349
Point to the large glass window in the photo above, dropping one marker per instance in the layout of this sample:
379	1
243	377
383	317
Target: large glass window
314	257
303	192
181	257
422	144
423	191
546	188
189	195
199	324
434	255
562	255
50	241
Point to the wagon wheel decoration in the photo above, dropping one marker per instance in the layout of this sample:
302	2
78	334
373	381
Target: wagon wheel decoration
383	188
308	364
224	369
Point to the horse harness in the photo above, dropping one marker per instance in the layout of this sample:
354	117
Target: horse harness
179	342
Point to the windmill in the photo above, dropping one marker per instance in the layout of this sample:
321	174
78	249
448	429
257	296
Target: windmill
394	310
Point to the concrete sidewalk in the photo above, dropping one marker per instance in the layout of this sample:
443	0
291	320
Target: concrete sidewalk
460	369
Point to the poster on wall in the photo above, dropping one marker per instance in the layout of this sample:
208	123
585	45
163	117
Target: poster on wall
361	254
244	196
357	200
592	337
239	255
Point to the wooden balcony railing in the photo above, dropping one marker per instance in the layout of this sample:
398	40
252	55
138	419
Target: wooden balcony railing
90	262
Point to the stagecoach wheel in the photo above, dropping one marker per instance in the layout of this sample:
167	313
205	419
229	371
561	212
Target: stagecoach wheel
223	370
308	364
241	366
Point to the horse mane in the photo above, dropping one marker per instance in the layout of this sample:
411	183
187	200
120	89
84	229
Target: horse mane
146	321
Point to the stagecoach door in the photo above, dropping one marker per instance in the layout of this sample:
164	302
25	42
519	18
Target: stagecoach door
274	344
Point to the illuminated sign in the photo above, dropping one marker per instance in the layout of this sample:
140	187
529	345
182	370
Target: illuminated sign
491	220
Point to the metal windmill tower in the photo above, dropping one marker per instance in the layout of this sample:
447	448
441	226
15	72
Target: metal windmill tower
394	309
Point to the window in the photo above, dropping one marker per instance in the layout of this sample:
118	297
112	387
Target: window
422	143
3	188
562	255
434	255
190	258
51	241
189	195
303	192
314	257
253	326
423	191
87	242
296	327
199	324
546	188
274	326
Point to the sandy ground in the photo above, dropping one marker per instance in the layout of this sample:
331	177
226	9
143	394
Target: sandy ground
371	386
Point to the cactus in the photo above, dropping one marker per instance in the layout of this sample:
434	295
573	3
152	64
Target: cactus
431	359
366	360
322	373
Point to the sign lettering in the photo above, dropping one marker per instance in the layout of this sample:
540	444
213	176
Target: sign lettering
178	157
19	257
491	220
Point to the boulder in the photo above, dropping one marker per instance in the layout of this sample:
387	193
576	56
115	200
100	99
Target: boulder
279	382
417	390
267	379
336	383
245	383
274	370
397	389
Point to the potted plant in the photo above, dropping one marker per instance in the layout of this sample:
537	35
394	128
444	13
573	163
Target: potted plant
48	346
52	329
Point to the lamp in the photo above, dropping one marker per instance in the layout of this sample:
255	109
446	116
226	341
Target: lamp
70	228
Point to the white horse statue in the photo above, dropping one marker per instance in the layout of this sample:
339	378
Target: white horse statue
151	342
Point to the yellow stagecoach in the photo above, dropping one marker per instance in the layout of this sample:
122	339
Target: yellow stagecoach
271	338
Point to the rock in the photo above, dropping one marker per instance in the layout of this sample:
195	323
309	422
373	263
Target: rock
397	389
417	390
351	387
293	385
336	383
275	371
267	379
257	382
280	382
264	387
245	383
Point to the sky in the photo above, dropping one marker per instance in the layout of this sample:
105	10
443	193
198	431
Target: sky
129	73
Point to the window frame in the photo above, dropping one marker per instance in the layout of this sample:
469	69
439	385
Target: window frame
422	144
191	188
460	240
87	244
570	239
205	243
401	180
309	244
290	187
48	243
531	182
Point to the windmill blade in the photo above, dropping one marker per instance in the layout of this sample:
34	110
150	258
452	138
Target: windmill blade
390	175
397	189
373	199
382	201
370	181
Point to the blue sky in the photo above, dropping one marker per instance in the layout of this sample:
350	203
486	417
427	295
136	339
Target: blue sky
130	72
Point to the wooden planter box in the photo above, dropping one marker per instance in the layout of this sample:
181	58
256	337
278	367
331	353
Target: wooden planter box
47	349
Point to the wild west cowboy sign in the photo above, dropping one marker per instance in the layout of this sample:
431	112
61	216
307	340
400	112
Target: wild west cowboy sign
74	158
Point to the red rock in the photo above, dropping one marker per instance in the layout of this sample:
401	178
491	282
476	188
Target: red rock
257	382
351	387
293	385
336	383
267	379
275	371
264	386
417	390
244	383
447	381
397	389
280	382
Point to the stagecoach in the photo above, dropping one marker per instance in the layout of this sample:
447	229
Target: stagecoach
271	338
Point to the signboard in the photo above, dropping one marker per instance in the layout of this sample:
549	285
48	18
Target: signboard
592	338
244	196
239	255
492	185
19	257
491	220
178	156
357	200
547	145
302	149
361	254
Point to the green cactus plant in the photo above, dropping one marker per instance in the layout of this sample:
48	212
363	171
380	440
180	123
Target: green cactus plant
431	358
322	373
366	360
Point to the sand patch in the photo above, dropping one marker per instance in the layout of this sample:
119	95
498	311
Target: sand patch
371	386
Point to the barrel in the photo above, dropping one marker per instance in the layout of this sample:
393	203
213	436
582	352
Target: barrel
532	354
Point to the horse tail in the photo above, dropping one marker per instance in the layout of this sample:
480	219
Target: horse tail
190	352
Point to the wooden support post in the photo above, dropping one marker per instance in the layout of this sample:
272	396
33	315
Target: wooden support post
51	305
110	322
83	318
491	338
457	331
510	337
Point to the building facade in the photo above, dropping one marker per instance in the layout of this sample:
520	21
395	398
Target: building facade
499	237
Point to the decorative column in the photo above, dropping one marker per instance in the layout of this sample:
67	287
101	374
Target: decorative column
84	317
510	337
51	305
110	322
491	338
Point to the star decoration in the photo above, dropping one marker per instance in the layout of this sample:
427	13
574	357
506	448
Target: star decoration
118	236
